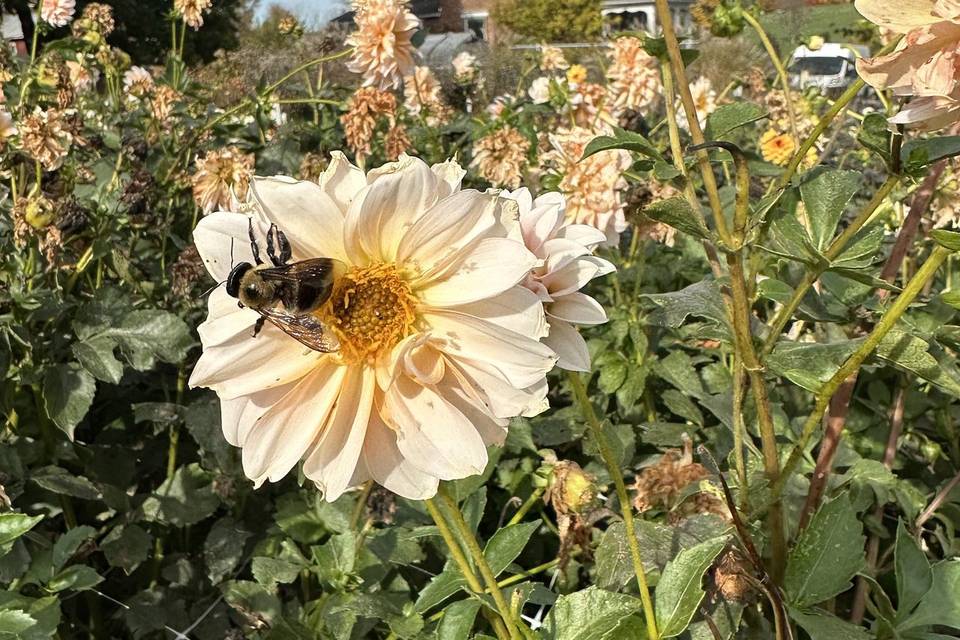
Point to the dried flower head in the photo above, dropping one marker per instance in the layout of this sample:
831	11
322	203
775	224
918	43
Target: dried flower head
99	17
57	13
422	94
552	59
312	166
397	142
82	76
162	100
222	178
633	74
192	11
592	186
44	137
573	495
366	107
464	66
663	486
290	26
733	577
383	42
501	157
187	271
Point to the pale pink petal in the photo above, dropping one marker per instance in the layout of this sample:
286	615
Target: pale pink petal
518	309
431	432
487	269
571	277
503	400
306	215
493	431
238	415
332	460
225	319
577	308
584	234
567	342
342	181
389	468
521	360
451	175
899	16
281	435
398	194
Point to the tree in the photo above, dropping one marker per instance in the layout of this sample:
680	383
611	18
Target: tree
551	20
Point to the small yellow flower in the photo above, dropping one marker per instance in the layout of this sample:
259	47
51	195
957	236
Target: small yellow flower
776	147
576	74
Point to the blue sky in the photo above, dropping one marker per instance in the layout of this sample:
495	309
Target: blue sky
309	11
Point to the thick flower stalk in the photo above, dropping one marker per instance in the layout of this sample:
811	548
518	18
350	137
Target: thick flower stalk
924	65
439	341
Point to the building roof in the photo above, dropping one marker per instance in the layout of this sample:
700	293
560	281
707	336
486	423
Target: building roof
421	8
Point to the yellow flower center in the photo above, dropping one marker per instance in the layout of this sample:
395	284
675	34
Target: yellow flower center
370	310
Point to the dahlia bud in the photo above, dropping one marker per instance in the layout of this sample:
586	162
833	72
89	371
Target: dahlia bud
571	489
38	212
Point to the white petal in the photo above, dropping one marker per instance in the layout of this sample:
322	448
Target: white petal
519	359
342	181
584	234
518	309
388	466
223	241
493	431
451	175
560	252
487	269
225	319
282	434
333	459
577	308
307	216
238	415
432	433
398	194
504	400
569	345
574	275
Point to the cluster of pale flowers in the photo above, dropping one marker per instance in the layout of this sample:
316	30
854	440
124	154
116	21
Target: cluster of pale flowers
451	307
924	67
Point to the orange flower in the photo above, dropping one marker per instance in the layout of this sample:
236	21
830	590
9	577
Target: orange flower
776	147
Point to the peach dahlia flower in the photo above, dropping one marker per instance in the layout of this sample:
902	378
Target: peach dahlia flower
57	13
926	63
438	339
567	264
383	46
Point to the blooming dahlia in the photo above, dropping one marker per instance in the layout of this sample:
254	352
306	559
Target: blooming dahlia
438	341
383	42
57	13
926	63
566	265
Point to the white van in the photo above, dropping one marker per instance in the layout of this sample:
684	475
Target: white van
831	68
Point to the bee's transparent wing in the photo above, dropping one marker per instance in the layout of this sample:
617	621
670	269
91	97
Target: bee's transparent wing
305	328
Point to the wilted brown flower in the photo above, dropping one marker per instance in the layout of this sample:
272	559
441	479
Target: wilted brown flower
192	11
100	17
573	495
501	157
662	486
51	245
382	41
365	108
634	75
222	175
31	216
186	271
397	142
162	100
290	26
43	136
732	577
312	166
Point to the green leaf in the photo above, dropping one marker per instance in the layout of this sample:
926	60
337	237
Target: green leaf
827	555
270	571
825	196
810	365
913	572
441	586
701	299
14	525
143	336
14	622
820	625
67	544
68	392
678	213
223	548
728	117
947	239
252	601
920	152
61	481
622	139
78	577
457	620
679	591
588	615
507	543
941	604
45	611
910	353
184	499
127	547
97	357
875	135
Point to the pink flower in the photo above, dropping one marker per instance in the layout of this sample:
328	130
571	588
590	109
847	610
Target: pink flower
58	13
926	63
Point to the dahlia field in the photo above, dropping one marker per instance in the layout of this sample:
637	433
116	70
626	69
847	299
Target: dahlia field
333	339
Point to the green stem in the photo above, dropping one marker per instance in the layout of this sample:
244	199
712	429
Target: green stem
781	70
473	547
580	391
456	552
361	504
526	506
912	289
833	251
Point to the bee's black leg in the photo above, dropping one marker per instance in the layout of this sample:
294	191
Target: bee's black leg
253	242
285	251
271	246
257	328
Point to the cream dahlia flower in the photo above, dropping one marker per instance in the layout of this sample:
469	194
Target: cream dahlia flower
137	82
593	186
552	59
422	93
633	74
501	157
464	66
924	64
57	13
567	264
704	99
383	46
438	339
539	90
82	76
222	178
192	11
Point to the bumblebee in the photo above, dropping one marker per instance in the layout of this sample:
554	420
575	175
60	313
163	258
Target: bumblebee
286	293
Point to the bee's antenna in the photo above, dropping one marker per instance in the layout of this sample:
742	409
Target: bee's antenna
211	289
231	252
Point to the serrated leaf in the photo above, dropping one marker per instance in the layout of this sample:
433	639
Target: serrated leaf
920	152
63	482
589	614
457	620
825	194
680	590
14	525
728	117
223	548
68	392
875	135
184	499
97	357
826	556
78	577
13	622
67	544
678	213
701	299
507	543
270	571
910	353
810	365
